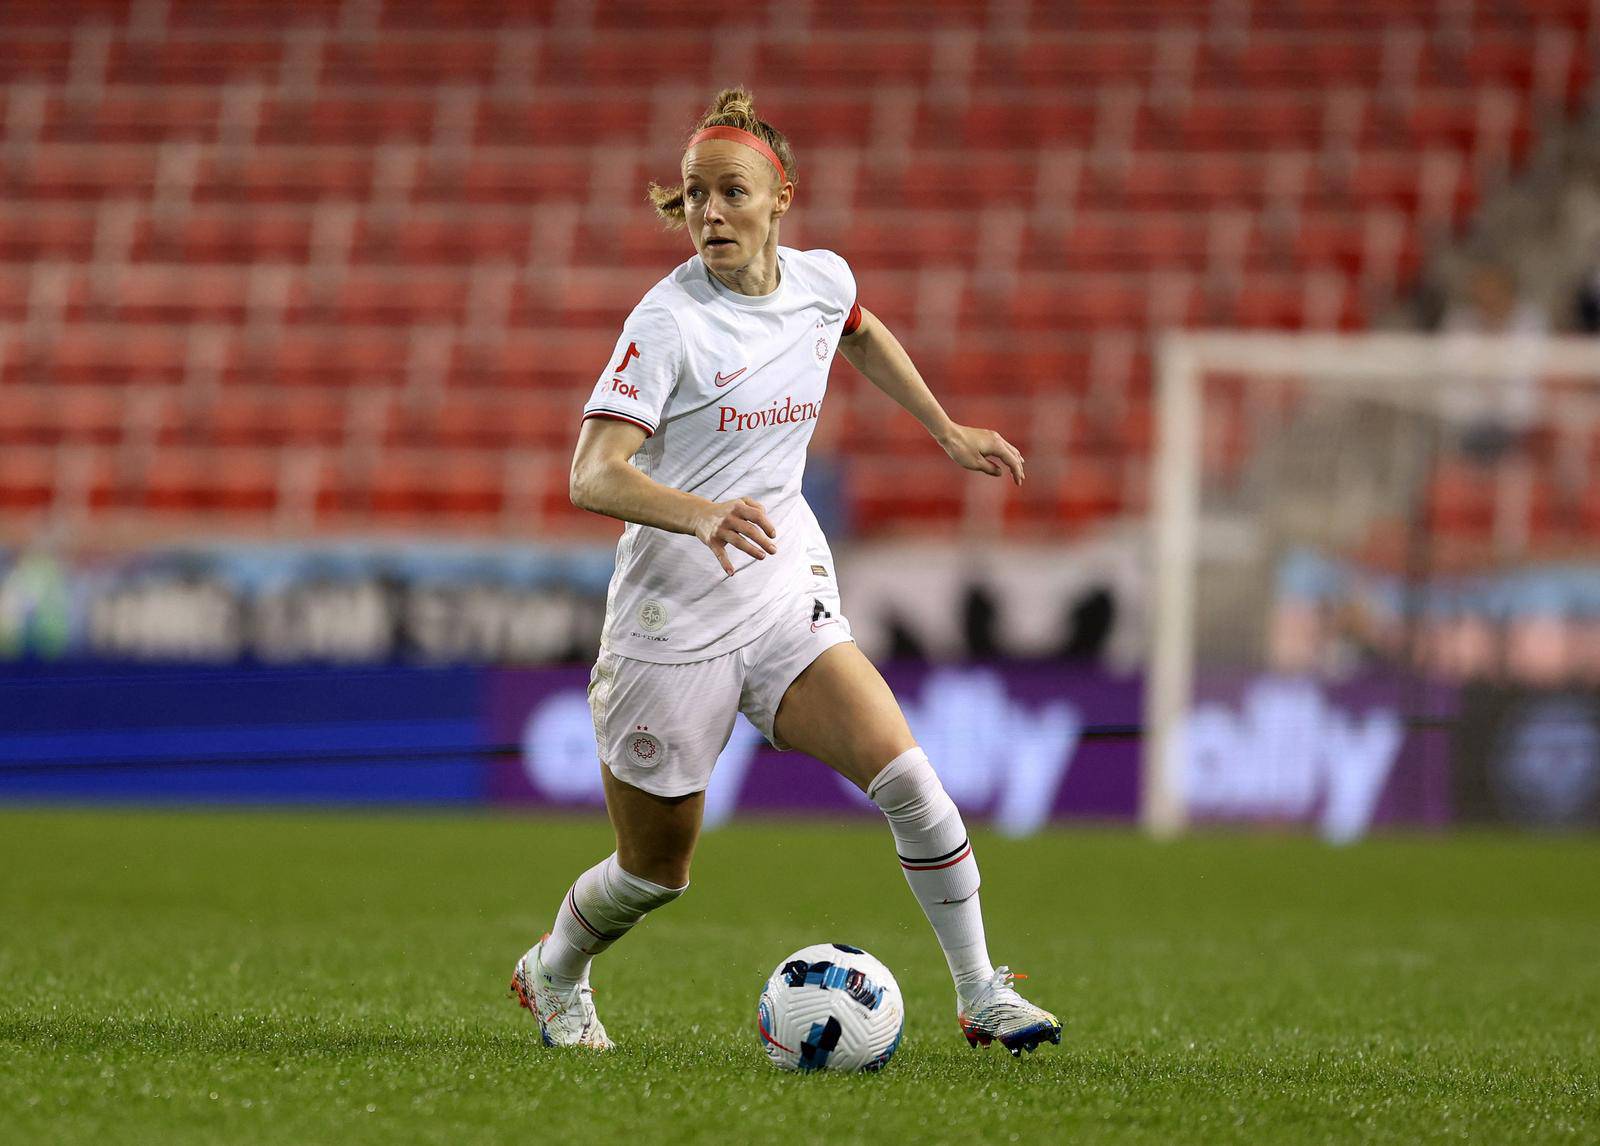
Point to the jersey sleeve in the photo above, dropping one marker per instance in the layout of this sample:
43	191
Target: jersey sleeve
843	282
642	371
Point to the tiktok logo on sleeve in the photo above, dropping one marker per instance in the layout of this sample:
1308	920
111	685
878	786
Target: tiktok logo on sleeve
628	356
618	386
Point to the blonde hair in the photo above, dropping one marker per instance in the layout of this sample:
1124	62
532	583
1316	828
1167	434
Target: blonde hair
732	107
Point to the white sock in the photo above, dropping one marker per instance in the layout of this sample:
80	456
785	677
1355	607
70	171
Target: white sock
600	908
938	862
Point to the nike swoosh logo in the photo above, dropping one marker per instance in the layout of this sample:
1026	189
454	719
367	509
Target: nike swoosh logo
815	626
723	381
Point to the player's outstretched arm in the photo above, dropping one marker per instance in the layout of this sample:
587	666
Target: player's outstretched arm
603	480
876	352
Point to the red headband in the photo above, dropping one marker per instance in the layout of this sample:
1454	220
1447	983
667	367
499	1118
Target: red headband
739	135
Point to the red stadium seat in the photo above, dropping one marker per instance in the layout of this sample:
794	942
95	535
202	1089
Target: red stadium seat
1330	240
470	484
27	479
176	62
139	115
418	485
919	495
515	178
30	232
1589	508
102	355
566	121
1461	501
606	61
356	119
1088	491
89	415
462	421
292	175
172	294
388	298
333	359
396	63
226	481
907	240
1119	243
833	58
226	235
239	14
1295	60
15	284
1050	64
1232	122
86	172
1001	123
446	238
270	417
930	182
35	59
39	416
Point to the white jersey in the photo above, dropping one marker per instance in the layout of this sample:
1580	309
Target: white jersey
729	388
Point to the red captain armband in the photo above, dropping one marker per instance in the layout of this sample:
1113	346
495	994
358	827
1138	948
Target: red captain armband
854	321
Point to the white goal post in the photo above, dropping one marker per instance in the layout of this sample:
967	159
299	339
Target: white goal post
1408	379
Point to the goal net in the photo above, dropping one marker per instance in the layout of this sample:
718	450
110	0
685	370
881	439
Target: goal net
1351	534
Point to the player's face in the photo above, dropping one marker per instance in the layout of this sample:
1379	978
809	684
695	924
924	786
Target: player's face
731	199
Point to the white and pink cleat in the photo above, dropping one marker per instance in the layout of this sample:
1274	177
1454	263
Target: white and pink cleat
566	1017
997	1011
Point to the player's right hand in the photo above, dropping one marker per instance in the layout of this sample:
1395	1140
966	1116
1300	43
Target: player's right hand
742	523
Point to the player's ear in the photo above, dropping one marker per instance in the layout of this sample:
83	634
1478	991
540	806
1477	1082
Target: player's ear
785	198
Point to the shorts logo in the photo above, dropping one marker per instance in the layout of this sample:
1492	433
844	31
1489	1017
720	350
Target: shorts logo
644	749
818	612
652	615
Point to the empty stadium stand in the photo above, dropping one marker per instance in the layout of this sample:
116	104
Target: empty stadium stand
351	264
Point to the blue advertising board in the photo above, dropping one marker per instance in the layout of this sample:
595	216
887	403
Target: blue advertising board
155	734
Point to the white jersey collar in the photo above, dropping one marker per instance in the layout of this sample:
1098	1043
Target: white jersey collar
749	300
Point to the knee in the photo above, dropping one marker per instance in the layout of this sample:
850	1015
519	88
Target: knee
864	762
664	866
908	790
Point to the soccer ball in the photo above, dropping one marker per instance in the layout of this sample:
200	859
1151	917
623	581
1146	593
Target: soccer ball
831	1007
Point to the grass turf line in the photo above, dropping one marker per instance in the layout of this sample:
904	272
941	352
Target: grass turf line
306	977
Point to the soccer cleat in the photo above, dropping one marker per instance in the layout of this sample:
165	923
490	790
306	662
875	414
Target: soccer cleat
998	1012
566	1018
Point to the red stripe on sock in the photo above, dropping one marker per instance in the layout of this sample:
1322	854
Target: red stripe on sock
938	867
572	906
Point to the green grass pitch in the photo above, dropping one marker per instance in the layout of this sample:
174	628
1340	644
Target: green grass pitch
305	977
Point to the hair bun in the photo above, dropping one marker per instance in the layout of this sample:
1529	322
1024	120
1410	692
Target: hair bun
733	103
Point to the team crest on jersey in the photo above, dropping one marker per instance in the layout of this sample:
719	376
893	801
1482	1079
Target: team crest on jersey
822	350
652	615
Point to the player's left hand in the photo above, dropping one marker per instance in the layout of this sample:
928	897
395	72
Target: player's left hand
983	450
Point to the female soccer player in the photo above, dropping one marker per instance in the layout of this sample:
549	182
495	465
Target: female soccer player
696	438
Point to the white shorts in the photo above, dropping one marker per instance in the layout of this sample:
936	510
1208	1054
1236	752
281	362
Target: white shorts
661	727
